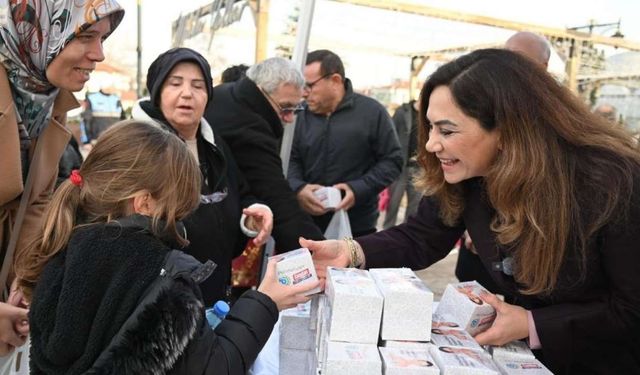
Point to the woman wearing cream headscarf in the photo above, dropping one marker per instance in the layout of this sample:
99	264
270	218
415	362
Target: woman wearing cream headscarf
47	50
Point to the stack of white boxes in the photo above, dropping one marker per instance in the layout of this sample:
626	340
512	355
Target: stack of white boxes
352	323
407	305
297	341
406	322
455	321
392	306
297	334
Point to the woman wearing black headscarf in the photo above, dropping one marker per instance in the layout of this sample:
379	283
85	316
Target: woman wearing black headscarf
180	87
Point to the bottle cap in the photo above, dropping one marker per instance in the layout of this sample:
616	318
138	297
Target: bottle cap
221	308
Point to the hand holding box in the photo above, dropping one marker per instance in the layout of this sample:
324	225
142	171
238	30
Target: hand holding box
462	303
329	197
296	267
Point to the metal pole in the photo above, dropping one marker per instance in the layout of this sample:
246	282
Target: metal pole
262	30
299	58
572	65
139	51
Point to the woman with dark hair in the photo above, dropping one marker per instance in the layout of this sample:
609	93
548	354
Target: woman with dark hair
549	192
179	83
48	50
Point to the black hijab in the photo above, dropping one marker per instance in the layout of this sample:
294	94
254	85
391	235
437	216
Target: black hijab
213	164
163	64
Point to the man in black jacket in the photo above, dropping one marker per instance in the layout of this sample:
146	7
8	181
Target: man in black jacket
248	114
345	140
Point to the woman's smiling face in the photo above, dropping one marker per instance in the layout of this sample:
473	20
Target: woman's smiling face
70	70
465	149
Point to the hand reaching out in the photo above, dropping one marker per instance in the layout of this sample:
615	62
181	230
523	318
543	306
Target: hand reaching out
259	219
333	253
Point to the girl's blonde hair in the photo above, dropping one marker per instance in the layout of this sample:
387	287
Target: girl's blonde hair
130	157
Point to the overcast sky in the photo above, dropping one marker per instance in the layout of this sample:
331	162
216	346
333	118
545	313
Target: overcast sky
365	38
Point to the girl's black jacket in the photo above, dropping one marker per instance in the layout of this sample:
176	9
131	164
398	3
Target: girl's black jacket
118	300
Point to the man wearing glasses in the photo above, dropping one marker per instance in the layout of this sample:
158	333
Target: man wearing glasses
249	115
345	140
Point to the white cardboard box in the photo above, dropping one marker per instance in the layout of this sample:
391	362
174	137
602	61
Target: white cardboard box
417	345
315	306
404	361
346	358
297	362
513	350
294	328
407	304
329	197
454	337
322	330
463	361
462	303
521	367
296	267
439	320
318	305
356	306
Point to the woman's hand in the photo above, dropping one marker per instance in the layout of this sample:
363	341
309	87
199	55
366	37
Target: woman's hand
284	296
511	323
259	219
334	253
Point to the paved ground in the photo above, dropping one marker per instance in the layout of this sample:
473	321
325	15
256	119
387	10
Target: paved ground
438	275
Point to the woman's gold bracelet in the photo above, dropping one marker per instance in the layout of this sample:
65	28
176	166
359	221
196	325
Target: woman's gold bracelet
351	244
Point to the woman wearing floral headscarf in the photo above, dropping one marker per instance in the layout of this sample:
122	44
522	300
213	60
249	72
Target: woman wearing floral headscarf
47	50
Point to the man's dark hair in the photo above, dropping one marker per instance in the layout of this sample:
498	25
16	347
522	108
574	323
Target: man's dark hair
330	63
234	73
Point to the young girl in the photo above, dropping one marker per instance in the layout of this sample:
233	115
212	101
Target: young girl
110	295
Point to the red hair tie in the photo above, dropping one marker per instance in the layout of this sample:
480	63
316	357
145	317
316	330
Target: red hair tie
76	178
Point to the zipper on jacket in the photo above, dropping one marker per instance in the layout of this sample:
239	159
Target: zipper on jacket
325	163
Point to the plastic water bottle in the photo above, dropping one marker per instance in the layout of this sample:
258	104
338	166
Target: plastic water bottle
215	314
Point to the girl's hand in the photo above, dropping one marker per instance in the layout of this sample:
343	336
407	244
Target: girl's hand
14	327
511	323
284	296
